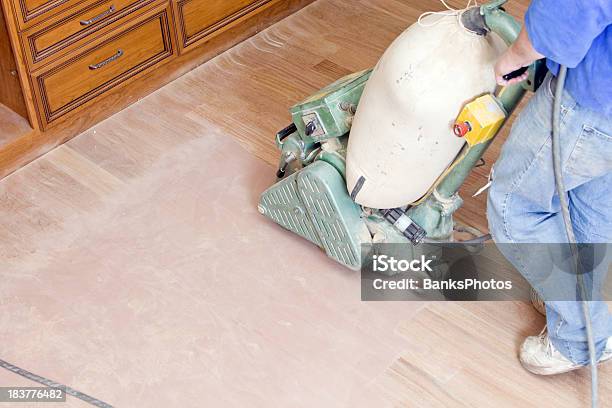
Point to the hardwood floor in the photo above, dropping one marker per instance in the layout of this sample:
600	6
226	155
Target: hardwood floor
110	249
10	124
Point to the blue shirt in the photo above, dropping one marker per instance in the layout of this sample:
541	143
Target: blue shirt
577	34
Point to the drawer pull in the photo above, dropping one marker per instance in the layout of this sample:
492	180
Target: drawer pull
115	57
99	17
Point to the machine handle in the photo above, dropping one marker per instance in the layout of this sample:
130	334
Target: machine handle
282	134
99	17
515	74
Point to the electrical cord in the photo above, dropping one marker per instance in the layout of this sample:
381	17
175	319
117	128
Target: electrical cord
52	384
556	152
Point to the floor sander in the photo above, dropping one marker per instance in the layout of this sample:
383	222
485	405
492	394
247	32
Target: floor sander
317	195
312	197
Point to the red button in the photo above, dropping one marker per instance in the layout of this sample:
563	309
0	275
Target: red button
461	129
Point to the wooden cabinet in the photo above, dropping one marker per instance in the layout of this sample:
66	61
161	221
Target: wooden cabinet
62	33
136	47
68	64
198	19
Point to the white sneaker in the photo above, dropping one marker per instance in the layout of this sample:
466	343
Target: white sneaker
539	356
537	302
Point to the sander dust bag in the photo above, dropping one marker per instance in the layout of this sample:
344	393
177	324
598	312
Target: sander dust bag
401	139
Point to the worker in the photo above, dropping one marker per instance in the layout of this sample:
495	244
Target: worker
523	206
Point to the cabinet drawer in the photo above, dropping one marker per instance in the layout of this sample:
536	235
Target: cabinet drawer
31	12
197	19
60	33
115	59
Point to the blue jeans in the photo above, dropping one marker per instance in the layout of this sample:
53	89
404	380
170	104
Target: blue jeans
523	207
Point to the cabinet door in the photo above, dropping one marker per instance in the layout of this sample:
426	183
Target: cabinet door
197	20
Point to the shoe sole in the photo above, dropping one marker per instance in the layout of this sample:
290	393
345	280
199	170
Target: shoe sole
549	371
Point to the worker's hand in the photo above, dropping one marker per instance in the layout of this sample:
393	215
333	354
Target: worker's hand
506	64
518	55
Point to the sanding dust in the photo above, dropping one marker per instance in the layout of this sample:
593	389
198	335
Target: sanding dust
176	292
